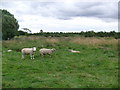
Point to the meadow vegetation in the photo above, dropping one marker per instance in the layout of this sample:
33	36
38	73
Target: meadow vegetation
96	66
0	64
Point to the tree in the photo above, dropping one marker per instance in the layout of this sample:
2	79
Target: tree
20	32
41	31
26	29
9	25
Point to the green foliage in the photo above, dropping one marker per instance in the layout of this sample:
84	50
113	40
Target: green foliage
94	67
20	32
77	34
9	25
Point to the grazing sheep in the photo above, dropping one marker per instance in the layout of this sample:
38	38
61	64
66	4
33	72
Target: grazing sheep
44	51
73	51
28	51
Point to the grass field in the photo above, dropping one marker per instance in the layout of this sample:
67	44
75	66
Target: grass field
96	66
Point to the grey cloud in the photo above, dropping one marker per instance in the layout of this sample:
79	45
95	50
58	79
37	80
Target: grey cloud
99	10
60	10
106	10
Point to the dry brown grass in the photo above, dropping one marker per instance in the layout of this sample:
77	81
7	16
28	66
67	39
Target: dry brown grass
52	40
36	40
94	41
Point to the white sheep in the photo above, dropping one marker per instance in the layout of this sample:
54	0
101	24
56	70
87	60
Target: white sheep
28	51
9	50
44	51
73	51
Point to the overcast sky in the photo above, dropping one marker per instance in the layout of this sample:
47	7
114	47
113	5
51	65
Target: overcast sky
64	15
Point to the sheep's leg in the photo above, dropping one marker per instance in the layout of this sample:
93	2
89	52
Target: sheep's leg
31	56
22	56
42	54
49	54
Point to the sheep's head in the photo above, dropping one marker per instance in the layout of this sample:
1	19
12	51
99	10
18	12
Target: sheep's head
34	48
53	49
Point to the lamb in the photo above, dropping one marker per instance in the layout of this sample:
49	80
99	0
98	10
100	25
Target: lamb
44	51
73	51
28	51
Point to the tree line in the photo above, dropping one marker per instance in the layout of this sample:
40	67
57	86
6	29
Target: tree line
73	34
10	28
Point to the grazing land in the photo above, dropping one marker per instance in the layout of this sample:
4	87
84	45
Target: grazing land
96	66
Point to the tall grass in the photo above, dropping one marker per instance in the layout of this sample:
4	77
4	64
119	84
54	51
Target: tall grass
95	41
45	42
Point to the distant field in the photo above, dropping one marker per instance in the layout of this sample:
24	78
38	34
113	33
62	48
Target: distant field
96	66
